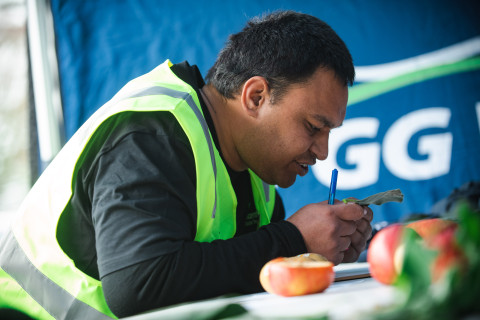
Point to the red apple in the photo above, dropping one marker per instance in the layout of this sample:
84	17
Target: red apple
383	257
439	234
303	274
450	255
386	251
429	228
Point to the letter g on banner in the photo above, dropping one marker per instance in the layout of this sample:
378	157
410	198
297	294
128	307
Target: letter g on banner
437	147
365	157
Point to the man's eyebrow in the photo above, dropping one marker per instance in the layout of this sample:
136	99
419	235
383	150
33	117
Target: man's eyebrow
326	122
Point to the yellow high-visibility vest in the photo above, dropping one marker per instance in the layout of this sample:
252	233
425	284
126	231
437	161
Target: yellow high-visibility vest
37	277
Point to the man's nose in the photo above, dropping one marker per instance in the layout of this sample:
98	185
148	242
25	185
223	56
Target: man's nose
319	146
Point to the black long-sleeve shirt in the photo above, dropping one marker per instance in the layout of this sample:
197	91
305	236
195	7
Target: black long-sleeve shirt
132	218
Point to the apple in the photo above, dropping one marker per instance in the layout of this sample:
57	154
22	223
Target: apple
450	254
439	234
386	251
300	275
429	228
384	256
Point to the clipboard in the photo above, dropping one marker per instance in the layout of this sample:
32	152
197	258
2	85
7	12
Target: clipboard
349	271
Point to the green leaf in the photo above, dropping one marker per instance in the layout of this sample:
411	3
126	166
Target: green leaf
415	276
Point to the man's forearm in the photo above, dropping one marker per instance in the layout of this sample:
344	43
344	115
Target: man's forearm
200	270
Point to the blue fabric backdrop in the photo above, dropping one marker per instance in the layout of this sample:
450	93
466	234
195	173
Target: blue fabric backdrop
413	116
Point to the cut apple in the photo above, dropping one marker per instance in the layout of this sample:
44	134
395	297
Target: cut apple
300	275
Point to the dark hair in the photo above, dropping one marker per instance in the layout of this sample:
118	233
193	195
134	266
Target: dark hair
284	47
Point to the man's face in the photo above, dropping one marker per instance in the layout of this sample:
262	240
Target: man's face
292	133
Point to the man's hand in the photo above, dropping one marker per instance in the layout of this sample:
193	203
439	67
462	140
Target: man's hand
360	236
339	232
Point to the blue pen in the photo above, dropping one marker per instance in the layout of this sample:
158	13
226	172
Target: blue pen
333	187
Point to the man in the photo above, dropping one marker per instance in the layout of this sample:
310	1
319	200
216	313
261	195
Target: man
167	194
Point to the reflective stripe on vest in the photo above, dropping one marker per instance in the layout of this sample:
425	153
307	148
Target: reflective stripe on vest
59	303
33	257
188	98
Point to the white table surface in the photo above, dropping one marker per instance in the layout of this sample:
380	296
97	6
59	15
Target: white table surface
342	300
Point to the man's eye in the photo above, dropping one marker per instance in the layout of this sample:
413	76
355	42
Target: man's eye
312	128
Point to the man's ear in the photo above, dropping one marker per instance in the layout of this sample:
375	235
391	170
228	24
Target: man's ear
255	93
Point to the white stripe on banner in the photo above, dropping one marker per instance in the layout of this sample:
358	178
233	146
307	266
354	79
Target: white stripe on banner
451	54
477	107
